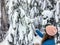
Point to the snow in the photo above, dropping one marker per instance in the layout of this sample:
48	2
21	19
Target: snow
48	13
37	39
5	42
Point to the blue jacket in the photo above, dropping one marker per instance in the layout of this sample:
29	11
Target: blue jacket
48	41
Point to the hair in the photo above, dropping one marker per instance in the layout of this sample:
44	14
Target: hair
46	36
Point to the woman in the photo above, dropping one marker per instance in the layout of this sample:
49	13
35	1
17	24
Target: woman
48	38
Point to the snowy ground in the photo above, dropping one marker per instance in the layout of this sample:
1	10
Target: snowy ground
36	40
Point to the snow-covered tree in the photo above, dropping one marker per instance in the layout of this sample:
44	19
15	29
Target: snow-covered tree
25	15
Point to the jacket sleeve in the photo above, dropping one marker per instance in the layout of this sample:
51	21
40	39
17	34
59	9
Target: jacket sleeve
39	33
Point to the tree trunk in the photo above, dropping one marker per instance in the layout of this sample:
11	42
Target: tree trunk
3	19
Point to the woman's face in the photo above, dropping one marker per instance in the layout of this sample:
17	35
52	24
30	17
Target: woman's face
51	30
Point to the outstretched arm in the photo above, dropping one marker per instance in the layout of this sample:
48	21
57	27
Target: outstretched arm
39	33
